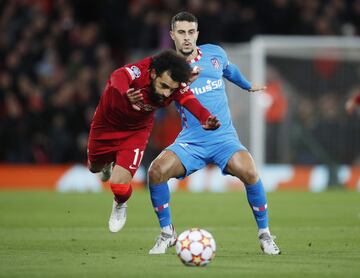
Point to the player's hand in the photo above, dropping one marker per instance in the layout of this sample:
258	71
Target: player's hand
256	88
134	97
212	123
194	74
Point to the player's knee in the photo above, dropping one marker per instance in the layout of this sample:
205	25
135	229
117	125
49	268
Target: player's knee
122	191
156	173
94	168
116	179
250	176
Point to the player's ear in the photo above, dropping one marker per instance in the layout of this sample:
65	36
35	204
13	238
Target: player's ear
197	34
152	74
171	34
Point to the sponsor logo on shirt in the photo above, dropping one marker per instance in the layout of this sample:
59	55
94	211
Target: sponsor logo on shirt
210	86
184	87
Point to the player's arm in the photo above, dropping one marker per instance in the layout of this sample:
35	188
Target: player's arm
121	80
189	101
233	74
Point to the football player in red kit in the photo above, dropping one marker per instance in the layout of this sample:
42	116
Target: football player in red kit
124	118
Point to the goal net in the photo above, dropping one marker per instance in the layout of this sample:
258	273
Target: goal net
301	118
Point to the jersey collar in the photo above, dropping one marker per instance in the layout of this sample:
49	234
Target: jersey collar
198	57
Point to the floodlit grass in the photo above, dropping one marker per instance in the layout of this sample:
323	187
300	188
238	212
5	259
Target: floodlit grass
48	234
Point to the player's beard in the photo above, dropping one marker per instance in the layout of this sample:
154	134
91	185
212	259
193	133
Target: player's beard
157	98
186	54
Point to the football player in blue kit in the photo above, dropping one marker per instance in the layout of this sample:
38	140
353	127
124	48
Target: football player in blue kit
195	147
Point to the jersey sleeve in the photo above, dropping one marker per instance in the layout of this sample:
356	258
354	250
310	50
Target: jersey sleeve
120	80
232	73
182	94
186	98
123	78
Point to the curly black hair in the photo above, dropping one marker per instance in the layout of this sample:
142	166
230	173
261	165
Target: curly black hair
169	60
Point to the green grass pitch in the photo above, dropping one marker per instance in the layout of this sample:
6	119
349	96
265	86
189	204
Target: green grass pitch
48	234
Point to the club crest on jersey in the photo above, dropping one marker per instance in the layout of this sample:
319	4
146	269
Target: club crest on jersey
215	63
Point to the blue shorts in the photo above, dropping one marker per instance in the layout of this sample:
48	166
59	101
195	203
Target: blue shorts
196	156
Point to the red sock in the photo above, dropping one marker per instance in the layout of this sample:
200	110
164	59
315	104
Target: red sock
122	192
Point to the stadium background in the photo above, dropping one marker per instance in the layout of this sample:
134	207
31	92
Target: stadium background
55	57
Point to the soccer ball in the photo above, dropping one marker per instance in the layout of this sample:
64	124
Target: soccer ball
195	247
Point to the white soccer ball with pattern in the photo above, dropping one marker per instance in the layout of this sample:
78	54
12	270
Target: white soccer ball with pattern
195	247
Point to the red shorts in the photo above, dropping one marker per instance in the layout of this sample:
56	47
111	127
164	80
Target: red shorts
125	148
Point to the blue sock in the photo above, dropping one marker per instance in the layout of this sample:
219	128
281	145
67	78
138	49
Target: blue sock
160	197
257	200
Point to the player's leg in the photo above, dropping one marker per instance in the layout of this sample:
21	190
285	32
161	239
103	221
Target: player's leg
167	165
103	170
99	163
178	160
126	165
120	186
242	165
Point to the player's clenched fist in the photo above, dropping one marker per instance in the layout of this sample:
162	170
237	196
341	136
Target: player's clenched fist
211	123
134	96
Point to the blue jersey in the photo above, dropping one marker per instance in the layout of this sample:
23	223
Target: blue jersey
209	89
194	146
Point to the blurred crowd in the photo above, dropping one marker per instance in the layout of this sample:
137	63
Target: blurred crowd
323	133
306	120
56	55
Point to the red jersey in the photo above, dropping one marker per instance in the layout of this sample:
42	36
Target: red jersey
119	132
115	111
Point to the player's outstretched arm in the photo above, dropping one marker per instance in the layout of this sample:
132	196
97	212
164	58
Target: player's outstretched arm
233	74
256	88
207	121
186	98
